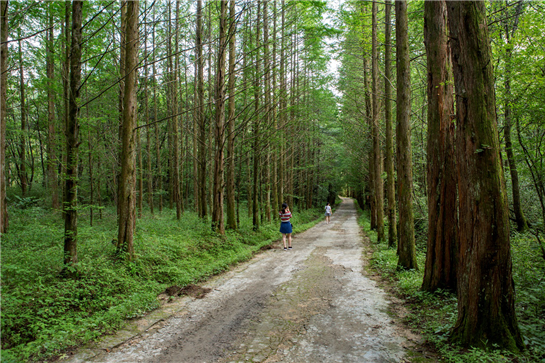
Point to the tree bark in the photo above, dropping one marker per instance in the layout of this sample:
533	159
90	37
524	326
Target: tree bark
407	249
230	190
519	215
392	220
377	153
72	141
218	223
441	260
486	293
51	145
23	177
4	220
200	115
127	189
256	152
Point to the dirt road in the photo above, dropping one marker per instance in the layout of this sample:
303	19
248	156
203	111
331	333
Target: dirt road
311	304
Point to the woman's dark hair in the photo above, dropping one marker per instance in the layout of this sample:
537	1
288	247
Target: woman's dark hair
327	203
284	206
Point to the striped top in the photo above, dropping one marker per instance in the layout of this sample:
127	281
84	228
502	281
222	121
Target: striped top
285	217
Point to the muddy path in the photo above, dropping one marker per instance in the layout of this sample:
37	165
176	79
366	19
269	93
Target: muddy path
311	304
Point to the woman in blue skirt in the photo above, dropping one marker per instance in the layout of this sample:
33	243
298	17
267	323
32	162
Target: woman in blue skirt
285	225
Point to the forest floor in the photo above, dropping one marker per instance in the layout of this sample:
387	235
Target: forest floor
314	303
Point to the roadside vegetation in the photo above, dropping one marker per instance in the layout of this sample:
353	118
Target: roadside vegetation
44	314
433	315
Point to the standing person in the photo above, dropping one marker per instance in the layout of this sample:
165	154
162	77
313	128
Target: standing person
328	213
285	225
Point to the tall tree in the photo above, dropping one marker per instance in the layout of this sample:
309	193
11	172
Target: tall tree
218	223
51	135
486	296
230	183
392	220
72	141
256	152
127	187
377	153
200	114
3	94
23	177
510	25
440	270
406	248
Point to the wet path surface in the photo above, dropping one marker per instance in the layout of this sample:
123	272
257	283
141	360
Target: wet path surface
310	304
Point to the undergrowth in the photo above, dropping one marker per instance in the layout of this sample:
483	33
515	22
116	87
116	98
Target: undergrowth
44	314
433	315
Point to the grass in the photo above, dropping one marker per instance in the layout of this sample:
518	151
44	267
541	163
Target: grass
44	314
434	315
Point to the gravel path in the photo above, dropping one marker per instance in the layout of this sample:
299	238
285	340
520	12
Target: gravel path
311	304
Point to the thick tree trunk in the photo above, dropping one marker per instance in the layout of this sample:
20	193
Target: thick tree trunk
267	110
377	152
72	141
407	249
441	256
218	223
230	185
486	293
174	110
127	189
51	144
392	220
200	115
4	220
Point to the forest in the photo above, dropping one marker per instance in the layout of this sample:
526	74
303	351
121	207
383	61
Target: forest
145	144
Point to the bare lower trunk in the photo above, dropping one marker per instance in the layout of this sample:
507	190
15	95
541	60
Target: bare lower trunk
392	220
217	210
486	293
407	249
127	189
72	141
230	186
377	151
3	84
441	261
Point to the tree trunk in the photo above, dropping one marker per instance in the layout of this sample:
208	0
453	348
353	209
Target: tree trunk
217	209
121	97
256	152
486	293
370	154
51	145
4	220
148	130
283	110
377	153
231	212
392	220
23	177
441	256
72	141
200	115
519	215
407	249
127	189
